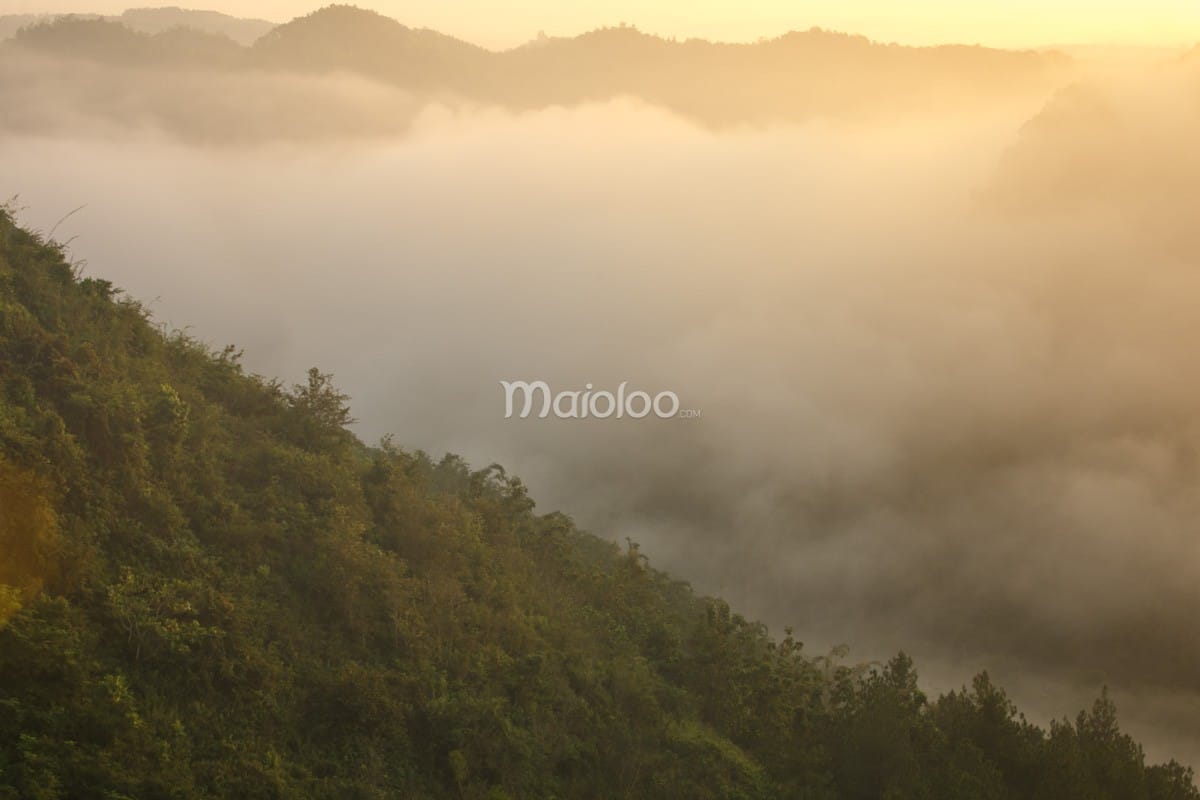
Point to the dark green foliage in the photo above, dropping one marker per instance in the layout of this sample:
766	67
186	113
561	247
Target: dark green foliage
221	593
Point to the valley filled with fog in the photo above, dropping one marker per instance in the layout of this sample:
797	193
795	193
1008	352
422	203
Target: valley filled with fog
944	360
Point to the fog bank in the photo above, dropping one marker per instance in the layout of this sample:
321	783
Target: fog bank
928	419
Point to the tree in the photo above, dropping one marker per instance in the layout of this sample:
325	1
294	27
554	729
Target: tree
322	412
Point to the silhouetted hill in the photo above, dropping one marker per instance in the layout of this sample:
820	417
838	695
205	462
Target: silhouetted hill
798	76
792	77
1122	144
97	77
156	20
11	23
114	43
349	38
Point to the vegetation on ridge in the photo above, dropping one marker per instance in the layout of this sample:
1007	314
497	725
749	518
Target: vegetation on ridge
210	588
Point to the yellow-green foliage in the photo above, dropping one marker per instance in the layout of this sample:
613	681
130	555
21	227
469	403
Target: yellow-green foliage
27	538
212	590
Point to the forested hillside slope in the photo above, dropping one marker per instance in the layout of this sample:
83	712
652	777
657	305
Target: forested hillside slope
209	588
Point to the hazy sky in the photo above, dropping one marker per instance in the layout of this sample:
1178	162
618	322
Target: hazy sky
993	22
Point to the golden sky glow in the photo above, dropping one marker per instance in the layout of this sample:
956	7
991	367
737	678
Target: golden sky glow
1005	23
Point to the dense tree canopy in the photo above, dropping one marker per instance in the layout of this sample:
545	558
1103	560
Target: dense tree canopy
210	588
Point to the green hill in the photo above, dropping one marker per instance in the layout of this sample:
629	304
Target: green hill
209	588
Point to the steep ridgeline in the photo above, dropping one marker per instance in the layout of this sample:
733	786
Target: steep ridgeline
209	588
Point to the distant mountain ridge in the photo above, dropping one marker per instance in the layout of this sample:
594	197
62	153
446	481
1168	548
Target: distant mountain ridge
155	20
794	77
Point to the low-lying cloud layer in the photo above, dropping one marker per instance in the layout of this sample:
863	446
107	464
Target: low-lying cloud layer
929	419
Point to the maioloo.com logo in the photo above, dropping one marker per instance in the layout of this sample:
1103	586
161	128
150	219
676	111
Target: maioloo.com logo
537	395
